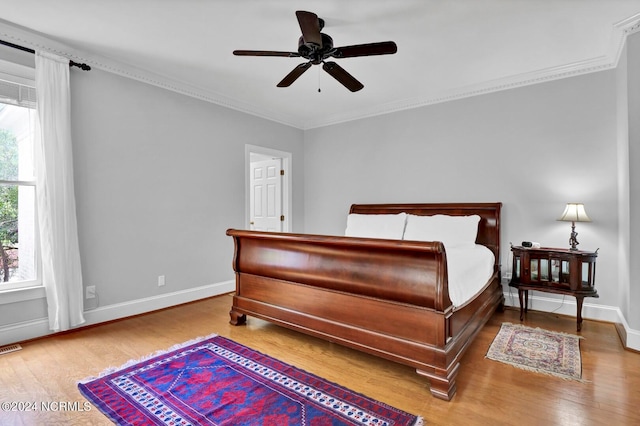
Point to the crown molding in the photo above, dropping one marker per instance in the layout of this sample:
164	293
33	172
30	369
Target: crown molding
492	86
37	41
620	32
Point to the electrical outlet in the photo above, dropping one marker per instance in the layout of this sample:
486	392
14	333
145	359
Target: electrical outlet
161	280
90	292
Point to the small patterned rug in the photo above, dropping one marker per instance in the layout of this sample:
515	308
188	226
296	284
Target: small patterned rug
215	381
538	350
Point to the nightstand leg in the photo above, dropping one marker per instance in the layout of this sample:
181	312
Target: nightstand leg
521	304
579	301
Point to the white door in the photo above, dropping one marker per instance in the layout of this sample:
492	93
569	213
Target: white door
266	195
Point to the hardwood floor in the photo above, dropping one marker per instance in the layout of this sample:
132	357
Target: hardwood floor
46	370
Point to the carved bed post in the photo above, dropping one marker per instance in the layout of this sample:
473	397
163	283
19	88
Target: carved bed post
442	383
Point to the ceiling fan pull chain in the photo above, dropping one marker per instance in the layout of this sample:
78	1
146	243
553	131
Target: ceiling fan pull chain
319	81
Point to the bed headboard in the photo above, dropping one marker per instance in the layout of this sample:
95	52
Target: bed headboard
488	227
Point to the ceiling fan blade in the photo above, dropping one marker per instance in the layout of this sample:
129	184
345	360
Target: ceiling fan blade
369	49
293	75
265	53
310	26
337	72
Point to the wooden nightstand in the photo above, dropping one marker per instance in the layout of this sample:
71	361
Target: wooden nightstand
553	270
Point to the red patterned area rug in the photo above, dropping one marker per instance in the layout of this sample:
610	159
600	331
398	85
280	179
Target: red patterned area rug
535	349
215	381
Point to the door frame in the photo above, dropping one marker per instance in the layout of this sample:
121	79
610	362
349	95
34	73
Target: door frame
287	194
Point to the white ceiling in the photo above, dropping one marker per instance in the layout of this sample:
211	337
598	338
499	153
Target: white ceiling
446	49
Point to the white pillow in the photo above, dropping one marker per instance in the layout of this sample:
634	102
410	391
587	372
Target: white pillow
388	226
451	230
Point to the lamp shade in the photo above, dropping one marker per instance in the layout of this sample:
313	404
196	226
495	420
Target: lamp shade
574	212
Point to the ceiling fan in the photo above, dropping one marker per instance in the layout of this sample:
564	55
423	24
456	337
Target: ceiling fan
317	47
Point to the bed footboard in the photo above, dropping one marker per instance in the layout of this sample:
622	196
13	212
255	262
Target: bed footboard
393	270
389	298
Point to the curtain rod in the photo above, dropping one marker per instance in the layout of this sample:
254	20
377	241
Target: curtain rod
83	67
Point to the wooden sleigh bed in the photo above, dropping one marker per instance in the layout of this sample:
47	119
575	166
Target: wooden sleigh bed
389	298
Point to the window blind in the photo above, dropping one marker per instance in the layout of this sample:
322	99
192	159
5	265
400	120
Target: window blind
17	94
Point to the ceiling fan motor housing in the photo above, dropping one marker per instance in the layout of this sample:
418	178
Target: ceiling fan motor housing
313	52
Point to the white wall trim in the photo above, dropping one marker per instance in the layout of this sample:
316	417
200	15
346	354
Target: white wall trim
18	295
38	328
633	337
568	306
27	38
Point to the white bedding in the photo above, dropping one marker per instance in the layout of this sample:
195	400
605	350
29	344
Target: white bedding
469	265
388	226
469	268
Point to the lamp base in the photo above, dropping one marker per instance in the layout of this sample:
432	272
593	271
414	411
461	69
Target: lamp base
573	239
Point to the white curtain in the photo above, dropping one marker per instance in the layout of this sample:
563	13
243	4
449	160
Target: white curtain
56	205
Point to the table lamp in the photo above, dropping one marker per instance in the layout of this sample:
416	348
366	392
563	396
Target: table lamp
574	212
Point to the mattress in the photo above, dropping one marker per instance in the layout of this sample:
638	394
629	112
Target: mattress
469	269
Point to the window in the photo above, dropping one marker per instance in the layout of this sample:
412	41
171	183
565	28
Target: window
18	230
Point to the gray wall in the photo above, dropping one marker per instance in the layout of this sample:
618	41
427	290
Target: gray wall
159	178
533	148
633	79
624	225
